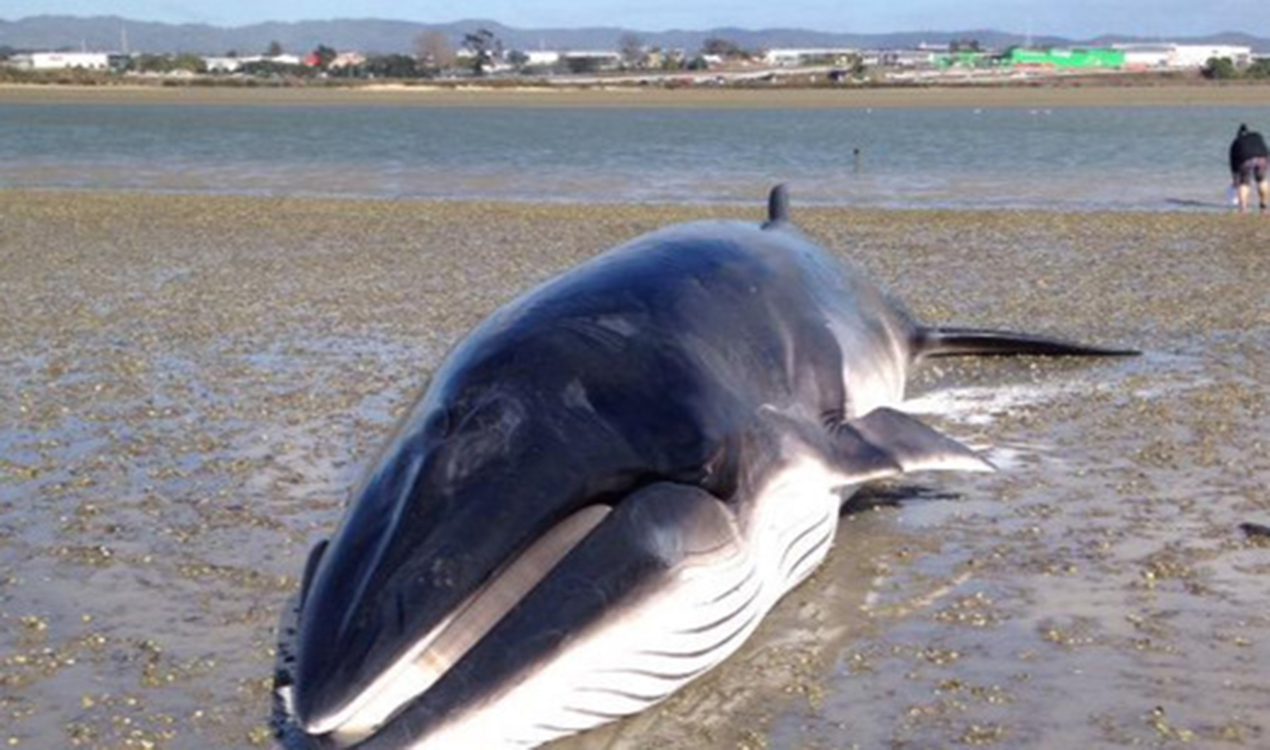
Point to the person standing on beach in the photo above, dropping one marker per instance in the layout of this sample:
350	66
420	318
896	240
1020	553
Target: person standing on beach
1248	157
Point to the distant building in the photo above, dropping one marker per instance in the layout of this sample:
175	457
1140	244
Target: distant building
808	56
922	57
1180	56
1066	58
541	58
347	60
1143	56
599	59
69	60
222	64
1198	55
284	59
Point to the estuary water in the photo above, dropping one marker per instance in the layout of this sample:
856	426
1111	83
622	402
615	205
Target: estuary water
1096	158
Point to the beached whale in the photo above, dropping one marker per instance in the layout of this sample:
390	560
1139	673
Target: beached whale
607	485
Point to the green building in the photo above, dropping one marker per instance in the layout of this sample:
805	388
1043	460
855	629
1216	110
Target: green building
1075	57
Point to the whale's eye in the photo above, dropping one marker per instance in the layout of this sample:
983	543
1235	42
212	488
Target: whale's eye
439	424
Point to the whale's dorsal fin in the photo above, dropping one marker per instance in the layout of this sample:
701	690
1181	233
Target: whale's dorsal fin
777	206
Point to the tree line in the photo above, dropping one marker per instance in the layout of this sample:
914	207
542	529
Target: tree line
434	54
1225	69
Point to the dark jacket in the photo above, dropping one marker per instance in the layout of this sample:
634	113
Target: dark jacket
1247	146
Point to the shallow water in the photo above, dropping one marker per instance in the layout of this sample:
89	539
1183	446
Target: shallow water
192	384
1092	158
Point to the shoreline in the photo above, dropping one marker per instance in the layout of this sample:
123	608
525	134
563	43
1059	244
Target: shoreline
1068	94
741	206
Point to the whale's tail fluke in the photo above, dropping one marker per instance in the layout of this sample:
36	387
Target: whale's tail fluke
952	342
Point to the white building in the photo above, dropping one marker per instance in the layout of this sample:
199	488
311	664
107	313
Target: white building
1169	55
64	60
1138	56
222	64
794	57
283	59
541	58
595	59
1197	55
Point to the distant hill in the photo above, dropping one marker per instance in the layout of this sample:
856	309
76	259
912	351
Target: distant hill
108	33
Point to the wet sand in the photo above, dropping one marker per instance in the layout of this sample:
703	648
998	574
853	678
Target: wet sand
1092	93
192	383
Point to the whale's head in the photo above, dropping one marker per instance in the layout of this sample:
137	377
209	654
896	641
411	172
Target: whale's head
452	526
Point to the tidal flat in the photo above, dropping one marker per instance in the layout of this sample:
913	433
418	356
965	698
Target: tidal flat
192	384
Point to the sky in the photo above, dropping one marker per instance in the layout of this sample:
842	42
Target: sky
1067	18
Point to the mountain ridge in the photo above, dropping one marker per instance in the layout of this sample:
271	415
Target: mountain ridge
376	35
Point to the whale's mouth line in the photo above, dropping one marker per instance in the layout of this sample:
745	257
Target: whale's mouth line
444	645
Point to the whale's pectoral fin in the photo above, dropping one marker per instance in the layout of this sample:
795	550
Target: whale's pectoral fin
649	534
644	602
886	442
654	531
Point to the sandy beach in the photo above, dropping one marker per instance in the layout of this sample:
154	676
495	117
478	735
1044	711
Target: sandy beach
192	382
1096	93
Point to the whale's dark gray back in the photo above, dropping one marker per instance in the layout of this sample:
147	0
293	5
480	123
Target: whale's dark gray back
691	365
642	366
